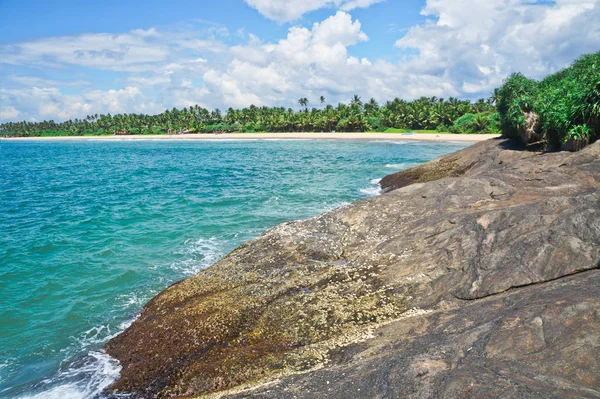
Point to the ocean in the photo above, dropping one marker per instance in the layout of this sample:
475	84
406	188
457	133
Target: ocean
91	230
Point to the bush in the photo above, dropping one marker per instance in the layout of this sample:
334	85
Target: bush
442	128
517	95
221	128
476	123
579	132
567	103
375	124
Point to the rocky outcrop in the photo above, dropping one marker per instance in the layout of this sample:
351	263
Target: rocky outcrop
476	275
475	159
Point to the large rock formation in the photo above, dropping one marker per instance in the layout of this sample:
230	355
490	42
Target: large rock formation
476	275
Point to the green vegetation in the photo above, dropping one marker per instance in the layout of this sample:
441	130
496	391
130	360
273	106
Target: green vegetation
562	111
424	114
485	122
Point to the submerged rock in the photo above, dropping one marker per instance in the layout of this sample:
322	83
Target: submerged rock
453	284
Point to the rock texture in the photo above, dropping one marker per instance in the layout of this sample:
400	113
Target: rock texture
476	275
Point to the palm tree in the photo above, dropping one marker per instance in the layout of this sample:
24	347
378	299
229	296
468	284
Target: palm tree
303	102
371	107
322	99
495	97
356	101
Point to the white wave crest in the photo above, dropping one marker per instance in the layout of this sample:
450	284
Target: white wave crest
84	379
402	166
395	166
372	189
396	142
200	254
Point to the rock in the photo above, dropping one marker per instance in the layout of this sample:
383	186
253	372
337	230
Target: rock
456	285
479	155
537	342
531	132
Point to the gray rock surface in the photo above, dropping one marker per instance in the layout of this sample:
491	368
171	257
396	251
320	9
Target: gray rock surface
474	276
536	342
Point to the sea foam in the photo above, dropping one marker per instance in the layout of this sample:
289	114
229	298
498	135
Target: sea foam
200	254
84	379
372	189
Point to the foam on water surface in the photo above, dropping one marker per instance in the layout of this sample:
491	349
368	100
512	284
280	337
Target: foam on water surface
84	378
372	189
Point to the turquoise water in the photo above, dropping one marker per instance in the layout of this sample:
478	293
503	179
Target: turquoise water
89	231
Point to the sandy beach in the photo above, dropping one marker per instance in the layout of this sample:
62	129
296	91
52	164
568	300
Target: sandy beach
283	136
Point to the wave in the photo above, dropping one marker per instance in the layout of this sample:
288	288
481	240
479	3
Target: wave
402	166
396	166
289	139
372	189
200	254
3	365
396	142
458	142
85	378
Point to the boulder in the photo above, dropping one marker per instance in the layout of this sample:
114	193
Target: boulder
475	275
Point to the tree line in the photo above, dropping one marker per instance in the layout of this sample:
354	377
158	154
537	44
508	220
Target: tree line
426	113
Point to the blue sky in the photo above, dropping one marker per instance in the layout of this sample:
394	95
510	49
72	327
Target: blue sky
65	59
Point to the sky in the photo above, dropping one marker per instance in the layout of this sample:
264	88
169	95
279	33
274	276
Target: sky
65	59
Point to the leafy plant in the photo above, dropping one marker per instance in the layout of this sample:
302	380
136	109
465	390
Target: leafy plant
579	132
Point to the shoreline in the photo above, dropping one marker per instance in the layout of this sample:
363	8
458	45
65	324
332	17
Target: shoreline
472	138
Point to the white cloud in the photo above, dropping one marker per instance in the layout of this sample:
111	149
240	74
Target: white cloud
274	72
135	51
476	44
8	113
116	100
290	10
101	50
465	48
352	4
41	82
52	104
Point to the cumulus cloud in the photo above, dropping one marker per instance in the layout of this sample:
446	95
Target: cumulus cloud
465	48
476	44
290	10
267	73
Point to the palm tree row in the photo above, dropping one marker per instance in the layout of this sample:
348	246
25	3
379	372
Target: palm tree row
421	114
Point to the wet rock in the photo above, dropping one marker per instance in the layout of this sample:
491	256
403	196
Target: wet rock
389	297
